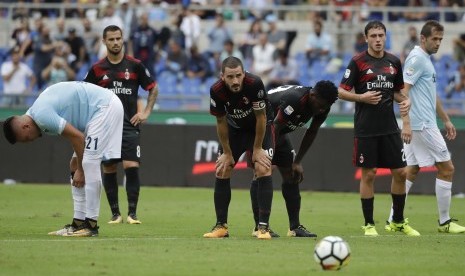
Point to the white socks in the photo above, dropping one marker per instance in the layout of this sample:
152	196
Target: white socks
93	187
79	201
443	198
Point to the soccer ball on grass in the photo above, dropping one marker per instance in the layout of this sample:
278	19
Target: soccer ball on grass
332	253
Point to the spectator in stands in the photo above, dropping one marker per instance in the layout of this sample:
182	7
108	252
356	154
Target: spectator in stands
459	48
16	75
360	44
418	16
229	50
276	36
217	35
91	40
319	44
374	15
285	71
43	47
412	41
198	65
251	39
60	33
70	12
397	15
58	70
258	9
263	58
457	84
142	43
128	16
22	37
191	27
176	60
77	47
176	33
20	10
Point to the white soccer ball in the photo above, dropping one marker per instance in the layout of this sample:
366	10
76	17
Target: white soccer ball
332	253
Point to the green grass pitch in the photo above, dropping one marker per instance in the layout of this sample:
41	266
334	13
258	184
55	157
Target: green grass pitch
169	240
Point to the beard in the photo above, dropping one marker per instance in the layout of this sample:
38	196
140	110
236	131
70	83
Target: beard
114	52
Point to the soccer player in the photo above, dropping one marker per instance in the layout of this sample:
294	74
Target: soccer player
91	118
373	80
244	123
123	75
293	107
427	146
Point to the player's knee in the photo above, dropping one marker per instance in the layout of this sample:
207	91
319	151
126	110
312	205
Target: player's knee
110	167
91	168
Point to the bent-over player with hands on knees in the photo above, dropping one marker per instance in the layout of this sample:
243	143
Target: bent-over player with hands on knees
244	123
91	118
293	107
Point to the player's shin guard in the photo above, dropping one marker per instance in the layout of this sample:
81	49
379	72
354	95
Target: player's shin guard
254	200
111	189
222	198
398	204
265	198
93	186
132	188
291	194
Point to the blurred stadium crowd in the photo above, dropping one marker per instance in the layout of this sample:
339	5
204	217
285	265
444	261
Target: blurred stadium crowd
182	43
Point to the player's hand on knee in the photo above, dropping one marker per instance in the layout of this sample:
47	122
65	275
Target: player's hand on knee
78	179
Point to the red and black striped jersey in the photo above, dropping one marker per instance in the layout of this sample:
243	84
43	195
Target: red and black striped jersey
238	107
366	73
292	109
124	80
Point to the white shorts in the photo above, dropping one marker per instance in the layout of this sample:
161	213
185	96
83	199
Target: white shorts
426	148
104	132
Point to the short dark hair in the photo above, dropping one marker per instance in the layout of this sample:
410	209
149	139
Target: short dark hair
375	24
326	90
429	26
8	130
111	28
231	62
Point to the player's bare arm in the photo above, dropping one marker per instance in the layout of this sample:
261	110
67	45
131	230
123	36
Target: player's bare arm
401	97
259	154
451	132
142	115
225	161
369	97
76	138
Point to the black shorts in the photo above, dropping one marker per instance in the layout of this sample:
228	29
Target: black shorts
242	141
130	147
284	153
386	151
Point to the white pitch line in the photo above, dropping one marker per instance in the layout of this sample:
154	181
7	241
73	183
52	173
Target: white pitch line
397	236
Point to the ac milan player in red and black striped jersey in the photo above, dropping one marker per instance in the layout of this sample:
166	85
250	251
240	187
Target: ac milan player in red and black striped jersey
376	78
243	119
123	75
293	107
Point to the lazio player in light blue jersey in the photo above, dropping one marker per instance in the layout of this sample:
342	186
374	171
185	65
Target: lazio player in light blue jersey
427	146
91	118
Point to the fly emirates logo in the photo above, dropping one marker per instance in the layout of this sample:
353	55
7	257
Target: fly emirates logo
206	153
379	83
119	89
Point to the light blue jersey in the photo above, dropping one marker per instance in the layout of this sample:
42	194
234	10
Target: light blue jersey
72	102
420	73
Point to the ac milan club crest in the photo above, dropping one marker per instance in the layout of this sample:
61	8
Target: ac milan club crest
361	159
246	101
391	69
